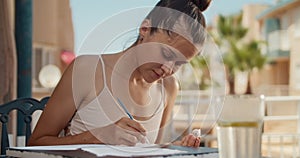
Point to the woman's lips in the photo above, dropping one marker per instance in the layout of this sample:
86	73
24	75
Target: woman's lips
157	74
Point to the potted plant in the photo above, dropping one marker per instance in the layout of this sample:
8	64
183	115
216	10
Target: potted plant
240	57
201	63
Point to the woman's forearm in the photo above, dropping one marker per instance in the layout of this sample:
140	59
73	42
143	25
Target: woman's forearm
82	138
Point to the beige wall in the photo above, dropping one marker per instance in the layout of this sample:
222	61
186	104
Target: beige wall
289	16
249	20
52	30
65	25
295	64
295	49
52	25
11	5
284	70
288	19
45	21
275	73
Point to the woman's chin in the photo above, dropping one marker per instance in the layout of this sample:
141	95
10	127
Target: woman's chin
152	79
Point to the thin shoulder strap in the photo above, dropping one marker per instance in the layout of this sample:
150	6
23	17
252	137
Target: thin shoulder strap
103	70
163	91
163	99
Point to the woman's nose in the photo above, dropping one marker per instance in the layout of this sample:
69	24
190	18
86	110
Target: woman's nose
168	67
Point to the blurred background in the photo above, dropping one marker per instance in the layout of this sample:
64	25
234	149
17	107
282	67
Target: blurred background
258	41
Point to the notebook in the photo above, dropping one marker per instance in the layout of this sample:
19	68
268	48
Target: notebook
88	150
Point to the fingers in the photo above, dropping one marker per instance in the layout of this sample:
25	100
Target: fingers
197	142
190	141
128	139
175	69
160	72
178	143
137	126
167	68
129	130
183	141
133	128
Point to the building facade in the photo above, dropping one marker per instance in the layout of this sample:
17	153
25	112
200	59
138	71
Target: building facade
280	27
53	34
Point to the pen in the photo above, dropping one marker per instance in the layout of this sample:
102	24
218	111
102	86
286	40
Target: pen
123	106
129	115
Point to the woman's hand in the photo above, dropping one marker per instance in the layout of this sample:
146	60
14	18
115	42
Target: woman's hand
189	140
123	132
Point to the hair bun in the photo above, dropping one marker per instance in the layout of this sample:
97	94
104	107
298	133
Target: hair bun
201	4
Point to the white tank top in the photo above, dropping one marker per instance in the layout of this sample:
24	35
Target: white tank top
104	110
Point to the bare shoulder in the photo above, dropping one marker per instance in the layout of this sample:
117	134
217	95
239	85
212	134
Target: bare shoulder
86	60
84	72
86	66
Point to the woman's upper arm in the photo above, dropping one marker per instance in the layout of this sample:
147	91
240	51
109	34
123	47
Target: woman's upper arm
61	105
171	88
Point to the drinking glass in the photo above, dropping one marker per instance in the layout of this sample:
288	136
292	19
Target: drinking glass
239	126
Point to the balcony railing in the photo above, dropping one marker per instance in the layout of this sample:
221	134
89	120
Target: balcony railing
278	139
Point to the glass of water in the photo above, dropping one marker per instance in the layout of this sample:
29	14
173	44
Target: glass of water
239	126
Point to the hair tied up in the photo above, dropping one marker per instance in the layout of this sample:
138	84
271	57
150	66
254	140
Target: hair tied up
201	4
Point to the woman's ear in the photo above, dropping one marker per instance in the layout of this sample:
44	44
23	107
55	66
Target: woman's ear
173	37
145	29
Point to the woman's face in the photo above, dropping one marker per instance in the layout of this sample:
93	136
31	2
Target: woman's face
163	54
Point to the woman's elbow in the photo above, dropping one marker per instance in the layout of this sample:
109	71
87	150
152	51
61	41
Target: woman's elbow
32	142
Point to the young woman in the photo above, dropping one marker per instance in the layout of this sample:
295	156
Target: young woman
127	97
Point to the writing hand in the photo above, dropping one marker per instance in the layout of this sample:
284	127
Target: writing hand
124	132
189	140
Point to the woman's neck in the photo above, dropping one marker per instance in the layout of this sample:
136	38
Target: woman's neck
137	79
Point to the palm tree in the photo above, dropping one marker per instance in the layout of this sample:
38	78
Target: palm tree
201	63
238	55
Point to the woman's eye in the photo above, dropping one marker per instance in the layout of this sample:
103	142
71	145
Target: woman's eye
179	63
169	33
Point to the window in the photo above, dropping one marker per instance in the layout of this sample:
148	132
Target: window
42	55
285	22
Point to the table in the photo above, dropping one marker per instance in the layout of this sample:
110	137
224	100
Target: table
100	150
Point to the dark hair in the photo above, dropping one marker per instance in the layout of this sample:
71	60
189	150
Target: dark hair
165	18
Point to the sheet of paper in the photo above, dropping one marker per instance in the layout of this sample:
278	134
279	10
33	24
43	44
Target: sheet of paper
143	145
126	151
119	151
57	147
213	155
107	150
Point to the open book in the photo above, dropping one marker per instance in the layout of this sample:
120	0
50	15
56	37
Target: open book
88	150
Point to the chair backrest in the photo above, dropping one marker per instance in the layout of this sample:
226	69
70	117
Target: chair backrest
26	106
